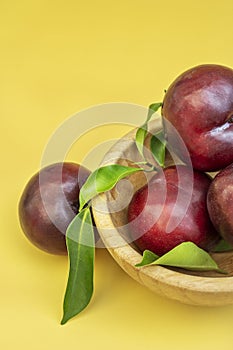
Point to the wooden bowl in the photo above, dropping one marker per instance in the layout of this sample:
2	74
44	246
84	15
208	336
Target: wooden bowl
195	288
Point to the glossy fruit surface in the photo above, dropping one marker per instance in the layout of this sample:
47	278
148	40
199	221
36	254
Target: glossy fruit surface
220	203
48	204
172	209
199	104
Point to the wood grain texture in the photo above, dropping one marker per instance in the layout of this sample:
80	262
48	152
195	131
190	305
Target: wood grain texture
110	214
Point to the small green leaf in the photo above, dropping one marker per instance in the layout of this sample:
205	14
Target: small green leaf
152	109
142	131
140	138
158	148
80	246
148	258
102	180
186	255
223	246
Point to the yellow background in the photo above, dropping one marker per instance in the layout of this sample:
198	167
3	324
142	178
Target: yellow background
57	58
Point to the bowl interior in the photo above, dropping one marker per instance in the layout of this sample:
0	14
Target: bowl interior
119	220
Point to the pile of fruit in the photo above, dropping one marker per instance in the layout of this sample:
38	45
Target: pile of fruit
55	207
199	104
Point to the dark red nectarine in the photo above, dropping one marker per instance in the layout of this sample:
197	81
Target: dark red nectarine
220	203
199	104
48	204
172	209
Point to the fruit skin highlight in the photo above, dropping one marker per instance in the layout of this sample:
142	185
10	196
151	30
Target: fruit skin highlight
199	104
48	204
220	203
150	211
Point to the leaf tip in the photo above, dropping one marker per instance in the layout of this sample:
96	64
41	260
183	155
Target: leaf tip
138	265
64	320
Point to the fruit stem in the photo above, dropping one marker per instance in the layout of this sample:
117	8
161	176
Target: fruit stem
153	168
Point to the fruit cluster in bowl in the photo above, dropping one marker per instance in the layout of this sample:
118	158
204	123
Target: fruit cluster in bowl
199	105
174	219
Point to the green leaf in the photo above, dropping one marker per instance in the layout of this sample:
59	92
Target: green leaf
140	138
148	258
223	246
152	109
80	246
142	131
186	255
158	148
103	179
